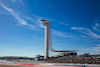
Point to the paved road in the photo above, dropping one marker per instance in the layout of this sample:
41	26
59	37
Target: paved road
11	65
8	65
25	64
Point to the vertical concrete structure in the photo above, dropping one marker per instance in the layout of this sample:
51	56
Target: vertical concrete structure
48	42
47	26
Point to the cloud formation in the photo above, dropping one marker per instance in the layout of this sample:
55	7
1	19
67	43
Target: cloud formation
97	48
36	20
62	34
96	27
74	28
22	18
17	16
63	23
86	32
37	37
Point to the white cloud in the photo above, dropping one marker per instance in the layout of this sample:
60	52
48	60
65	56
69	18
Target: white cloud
86	32
97	48
22	18
98	44
23	41
95	27
74	28
88	49
37	37
17	16
63	23
37	20
62	34
83	36
31	19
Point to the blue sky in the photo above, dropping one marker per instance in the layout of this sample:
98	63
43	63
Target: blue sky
75	25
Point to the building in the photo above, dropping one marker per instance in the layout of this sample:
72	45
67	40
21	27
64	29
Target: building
12	58
39	57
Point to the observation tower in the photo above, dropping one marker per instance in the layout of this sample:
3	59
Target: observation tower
47	28
48	41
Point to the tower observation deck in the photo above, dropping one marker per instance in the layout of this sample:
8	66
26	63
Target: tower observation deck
48	41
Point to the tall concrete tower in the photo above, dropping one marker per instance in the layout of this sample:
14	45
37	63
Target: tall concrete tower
48	42
47	37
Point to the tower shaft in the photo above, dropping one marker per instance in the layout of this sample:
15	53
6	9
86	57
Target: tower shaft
47	40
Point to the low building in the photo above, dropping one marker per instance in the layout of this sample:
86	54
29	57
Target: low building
68	54
11	58
39	57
